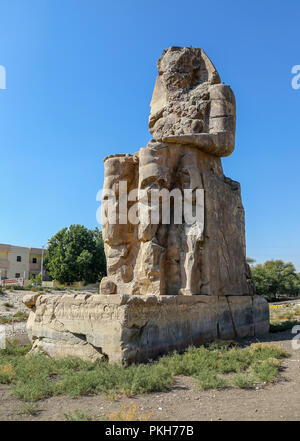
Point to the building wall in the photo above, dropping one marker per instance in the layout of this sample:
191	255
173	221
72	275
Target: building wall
4	263
3	254
34	268
16	267
10	266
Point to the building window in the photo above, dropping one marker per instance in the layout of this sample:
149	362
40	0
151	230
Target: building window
19	259
17	275
33	276
34	260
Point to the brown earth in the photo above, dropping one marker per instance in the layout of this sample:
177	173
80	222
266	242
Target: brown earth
184	402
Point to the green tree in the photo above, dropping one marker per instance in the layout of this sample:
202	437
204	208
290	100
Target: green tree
275	277
37	279
250	261
76	254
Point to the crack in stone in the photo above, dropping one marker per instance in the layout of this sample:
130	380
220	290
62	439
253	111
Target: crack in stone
231	315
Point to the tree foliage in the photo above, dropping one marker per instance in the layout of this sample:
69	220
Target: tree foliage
37	279
76	254
276	277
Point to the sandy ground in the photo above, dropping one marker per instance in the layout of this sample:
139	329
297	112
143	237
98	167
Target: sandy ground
14	298
184	402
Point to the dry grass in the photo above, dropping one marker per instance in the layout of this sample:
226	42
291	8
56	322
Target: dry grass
128	413
284	318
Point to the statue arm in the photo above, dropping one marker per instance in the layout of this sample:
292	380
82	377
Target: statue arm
220	140
218	144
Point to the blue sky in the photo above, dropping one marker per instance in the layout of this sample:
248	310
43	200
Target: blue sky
80	75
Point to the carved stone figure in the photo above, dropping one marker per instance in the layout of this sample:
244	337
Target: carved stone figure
173	227
192	120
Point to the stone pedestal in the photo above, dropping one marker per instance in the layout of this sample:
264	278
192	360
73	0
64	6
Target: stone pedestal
131	329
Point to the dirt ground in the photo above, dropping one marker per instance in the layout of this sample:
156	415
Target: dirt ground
184	402
13	298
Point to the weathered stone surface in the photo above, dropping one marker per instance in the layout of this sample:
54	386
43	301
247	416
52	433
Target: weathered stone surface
136	328
14	332
207	256
189	105
176	281
166	259
30	299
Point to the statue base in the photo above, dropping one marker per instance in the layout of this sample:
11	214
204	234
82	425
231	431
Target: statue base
132	329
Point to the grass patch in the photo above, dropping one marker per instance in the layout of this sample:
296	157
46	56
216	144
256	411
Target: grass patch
243	381
37	376
8	305
286	315
209	380
78	415
115	379
277	326
29	409
33	288
284	318
128	413
19	316
266	370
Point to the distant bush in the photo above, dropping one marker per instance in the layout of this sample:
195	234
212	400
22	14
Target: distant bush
37	279
275	277
16	288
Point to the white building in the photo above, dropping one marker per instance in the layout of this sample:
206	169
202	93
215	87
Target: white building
18	262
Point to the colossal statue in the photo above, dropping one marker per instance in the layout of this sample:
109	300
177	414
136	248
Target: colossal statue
174	233
192	121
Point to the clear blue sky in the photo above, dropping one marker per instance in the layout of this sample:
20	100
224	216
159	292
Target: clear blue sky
80	75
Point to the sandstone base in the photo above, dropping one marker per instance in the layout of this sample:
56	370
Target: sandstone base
133	329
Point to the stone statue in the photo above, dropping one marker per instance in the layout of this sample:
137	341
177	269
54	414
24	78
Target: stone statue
192	121
189	105
173	227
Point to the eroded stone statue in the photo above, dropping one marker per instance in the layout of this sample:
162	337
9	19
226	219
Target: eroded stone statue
192	120
175	283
